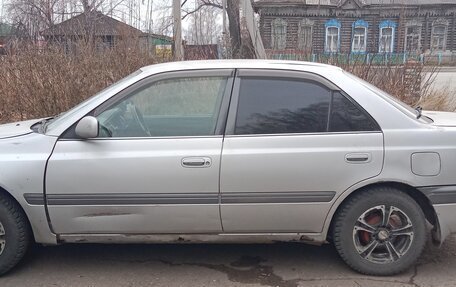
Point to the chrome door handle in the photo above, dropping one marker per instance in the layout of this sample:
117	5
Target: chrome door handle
196	162
358	157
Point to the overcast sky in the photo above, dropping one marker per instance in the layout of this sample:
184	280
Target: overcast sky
158	13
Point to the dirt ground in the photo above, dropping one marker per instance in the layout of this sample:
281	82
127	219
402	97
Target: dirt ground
287	265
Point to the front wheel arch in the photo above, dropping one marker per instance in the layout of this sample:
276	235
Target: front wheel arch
5	193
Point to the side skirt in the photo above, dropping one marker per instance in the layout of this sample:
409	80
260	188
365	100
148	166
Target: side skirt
309	238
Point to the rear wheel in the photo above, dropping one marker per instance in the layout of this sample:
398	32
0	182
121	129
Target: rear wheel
15	235
380	232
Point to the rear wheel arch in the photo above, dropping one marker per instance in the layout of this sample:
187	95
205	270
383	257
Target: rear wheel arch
413	192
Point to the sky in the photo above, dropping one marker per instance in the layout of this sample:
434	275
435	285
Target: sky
158	13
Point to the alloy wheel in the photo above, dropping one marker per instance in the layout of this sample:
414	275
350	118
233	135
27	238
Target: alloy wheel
383	234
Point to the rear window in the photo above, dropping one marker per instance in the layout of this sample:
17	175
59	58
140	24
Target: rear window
282	105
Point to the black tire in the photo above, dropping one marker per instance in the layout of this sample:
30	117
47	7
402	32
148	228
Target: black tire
17	234
348	240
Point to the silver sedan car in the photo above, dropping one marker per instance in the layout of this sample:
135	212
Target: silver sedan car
234	151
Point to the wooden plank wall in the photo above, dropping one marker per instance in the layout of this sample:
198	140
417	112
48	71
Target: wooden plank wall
373	16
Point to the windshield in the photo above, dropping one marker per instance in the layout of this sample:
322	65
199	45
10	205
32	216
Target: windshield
54	120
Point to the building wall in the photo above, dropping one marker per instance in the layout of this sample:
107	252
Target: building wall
373	15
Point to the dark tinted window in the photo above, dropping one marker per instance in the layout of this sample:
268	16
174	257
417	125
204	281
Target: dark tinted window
345	116
274	105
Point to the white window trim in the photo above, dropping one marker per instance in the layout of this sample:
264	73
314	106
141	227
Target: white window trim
393	35
364	50
327	50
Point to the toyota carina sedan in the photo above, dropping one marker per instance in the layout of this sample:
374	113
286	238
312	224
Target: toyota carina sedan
234	151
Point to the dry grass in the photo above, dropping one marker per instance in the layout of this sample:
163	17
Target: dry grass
36	84
438	100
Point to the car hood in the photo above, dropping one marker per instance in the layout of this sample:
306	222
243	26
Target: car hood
16	129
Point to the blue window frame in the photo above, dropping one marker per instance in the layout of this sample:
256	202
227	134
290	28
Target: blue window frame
359	36
332	39
387	36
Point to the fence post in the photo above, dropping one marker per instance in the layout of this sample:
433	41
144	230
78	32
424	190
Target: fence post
440	58
314	58
405	58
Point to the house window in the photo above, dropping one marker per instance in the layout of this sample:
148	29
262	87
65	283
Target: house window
332	43
413	37
305	30
386	40
439	35
359	43
279	34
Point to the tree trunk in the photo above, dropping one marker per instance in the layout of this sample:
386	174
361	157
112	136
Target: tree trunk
234	26
86	5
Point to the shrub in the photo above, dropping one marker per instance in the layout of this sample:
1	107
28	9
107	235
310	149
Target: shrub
38	83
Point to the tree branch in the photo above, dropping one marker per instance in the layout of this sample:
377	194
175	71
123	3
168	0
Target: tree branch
204	3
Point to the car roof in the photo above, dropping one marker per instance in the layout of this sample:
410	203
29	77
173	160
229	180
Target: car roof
238	64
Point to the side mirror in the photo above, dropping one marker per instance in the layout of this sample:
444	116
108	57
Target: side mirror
87	128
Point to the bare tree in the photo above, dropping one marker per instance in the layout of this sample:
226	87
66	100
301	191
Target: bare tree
203	28
35	15
234	25
38	15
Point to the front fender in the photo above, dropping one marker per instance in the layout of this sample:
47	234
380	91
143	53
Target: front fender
22	169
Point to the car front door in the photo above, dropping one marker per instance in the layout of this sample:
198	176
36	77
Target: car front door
293	143
154	168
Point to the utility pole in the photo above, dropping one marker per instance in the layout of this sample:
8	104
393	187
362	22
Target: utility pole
224	17
178	48
252	27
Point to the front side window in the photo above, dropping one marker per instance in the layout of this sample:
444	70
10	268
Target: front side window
439	35
172	107
279	34
359	43
386	41
332	36
413	38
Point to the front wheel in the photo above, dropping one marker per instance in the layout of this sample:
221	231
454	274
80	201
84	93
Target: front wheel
381	231
15	235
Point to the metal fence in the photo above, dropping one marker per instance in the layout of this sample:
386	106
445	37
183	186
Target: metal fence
371	58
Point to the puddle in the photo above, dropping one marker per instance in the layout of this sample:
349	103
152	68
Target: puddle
247	270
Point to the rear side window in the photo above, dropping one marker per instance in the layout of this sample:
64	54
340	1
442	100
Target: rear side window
277	105
282	105
346	116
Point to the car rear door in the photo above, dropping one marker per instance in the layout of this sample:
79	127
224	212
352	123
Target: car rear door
163	178
293	143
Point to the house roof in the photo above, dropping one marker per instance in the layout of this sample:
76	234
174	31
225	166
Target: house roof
159	39
408	2
361	2
295	2
94	23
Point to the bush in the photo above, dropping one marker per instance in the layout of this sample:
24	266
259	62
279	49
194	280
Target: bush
39	83
36	83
